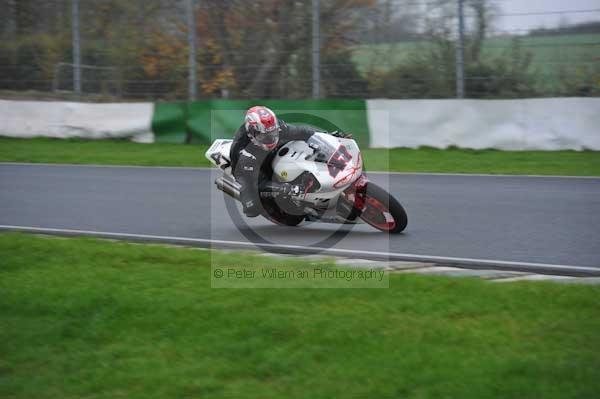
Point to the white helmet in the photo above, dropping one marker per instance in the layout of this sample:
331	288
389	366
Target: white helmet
262	127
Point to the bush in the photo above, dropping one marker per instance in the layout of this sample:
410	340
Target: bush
28	64
581	82
433	76
340	77
411	80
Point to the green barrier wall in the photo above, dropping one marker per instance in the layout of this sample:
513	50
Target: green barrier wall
211	119
169	122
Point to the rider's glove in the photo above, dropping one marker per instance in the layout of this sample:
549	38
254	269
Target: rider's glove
342	135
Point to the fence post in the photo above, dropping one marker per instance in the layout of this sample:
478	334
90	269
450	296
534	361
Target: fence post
192	86
460	52
76	46
191	25
316	50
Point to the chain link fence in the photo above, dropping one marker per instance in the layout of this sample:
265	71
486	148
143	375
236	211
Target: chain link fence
182	49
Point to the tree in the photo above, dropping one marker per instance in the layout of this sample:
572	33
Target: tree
263	49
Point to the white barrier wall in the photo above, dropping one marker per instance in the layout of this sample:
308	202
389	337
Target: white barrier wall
82	120
536	124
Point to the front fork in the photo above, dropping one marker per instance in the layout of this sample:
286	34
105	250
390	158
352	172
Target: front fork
353	199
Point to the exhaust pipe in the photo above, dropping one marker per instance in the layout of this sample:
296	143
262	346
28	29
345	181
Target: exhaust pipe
231	188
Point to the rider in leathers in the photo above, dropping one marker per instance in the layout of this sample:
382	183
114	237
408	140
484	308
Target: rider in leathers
262	133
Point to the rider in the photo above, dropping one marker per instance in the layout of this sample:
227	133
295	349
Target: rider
261	133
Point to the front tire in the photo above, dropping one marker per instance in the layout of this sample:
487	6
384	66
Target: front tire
383	211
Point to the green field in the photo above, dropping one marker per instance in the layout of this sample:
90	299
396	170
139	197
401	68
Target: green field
570	163
550	54
100	319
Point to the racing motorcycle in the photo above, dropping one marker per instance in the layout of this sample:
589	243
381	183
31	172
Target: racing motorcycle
329	170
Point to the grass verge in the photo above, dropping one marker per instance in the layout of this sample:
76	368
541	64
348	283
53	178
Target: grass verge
566	163
92	318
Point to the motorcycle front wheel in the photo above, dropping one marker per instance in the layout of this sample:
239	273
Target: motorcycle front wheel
383	211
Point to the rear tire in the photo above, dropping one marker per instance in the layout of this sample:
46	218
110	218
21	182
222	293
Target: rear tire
380	207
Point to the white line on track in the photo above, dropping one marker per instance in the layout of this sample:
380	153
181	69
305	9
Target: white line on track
369	172
465	262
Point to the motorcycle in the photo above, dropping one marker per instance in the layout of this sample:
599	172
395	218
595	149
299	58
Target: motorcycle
330	171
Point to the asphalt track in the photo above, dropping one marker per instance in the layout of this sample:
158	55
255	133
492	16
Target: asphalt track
541	220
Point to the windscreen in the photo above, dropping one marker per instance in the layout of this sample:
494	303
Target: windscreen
323	149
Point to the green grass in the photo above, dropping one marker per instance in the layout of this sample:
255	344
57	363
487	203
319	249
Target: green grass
102	152
560	163
90	318
573	163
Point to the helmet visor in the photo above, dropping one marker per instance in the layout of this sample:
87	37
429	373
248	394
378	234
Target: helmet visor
268	139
